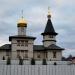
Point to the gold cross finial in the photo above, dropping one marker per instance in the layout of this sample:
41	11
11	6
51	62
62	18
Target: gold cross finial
22	22
48	10
49	14
22	14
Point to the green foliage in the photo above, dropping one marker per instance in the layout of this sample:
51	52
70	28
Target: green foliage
32	61
63	59
55	63
8	61
3	58
20	61
44	62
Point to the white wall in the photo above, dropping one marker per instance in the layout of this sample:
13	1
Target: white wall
3	53
21	31
47	40
58	55
42	55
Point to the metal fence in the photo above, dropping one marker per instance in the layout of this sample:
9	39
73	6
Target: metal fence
37	69
26	69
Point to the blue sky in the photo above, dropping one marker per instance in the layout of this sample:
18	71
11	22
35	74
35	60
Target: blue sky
35	12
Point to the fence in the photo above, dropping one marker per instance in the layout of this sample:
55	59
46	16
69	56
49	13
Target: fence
26	69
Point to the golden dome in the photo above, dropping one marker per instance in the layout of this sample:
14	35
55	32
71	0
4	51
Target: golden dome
22	22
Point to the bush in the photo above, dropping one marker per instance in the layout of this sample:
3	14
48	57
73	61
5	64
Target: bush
8	61
32	61
3	58
44	62
20	61
55	63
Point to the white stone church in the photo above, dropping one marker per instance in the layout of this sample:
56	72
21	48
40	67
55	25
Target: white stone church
23	45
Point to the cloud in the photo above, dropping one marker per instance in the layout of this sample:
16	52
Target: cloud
35	12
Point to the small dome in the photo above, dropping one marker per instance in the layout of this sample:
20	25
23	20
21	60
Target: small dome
49	13
22	22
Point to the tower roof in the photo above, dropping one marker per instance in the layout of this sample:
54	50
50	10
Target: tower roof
22	22
49	29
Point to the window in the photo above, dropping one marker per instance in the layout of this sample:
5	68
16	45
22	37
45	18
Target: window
54	54
51	36
38	55
22	43
23	53
26	43
18	42
18	53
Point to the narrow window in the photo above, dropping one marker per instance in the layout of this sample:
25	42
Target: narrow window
22	53
18	42
26	43
18	53
22	42
38	55
54	54
51	36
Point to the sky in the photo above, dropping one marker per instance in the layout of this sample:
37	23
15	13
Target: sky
35	12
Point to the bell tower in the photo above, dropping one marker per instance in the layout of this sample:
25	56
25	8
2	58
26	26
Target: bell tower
22	25
49	34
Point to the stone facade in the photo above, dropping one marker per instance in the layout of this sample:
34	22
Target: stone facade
16	48
23	45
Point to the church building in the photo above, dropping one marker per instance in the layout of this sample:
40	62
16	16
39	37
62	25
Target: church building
23	45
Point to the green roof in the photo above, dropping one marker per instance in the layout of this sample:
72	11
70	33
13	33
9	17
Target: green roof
6	47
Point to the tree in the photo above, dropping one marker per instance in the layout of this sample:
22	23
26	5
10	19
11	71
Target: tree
69	57
8	61
32	61
44	62
63	59
3	58
20	61
55	63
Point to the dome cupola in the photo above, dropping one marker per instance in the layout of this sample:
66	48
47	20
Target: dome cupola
22	22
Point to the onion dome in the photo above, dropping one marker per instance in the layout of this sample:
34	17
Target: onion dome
22	22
